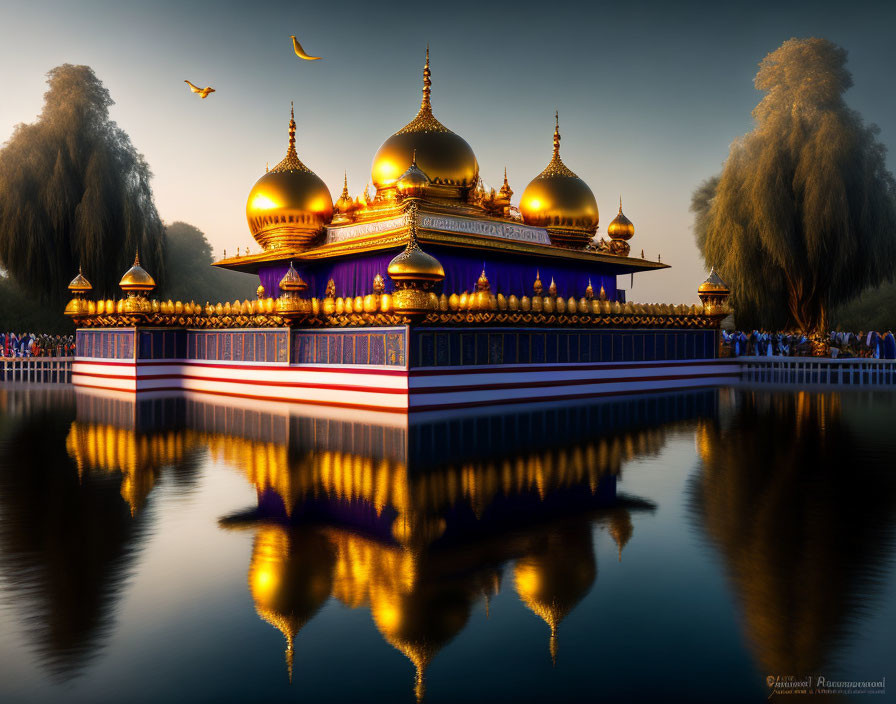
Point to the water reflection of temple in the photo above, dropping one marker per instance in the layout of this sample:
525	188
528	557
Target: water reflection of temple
805	529
417	524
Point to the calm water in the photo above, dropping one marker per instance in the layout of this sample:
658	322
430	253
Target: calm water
668	547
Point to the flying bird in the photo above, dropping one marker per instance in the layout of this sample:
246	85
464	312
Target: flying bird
202	92
300	52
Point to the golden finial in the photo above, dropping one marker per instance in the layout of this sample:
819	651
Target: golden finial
642	253
331	289
291	161
292	127
225	254
603	293
552	289
259	292
537	287
136	257
237	251
426	104
659	258
505	191
483	284
556	134
345	185
589	291
379	284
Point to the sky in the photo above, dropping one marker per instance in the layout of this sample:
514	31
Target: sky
650	94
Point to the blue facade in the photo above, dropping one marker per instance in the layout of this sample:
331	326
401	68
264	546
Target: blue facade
402	347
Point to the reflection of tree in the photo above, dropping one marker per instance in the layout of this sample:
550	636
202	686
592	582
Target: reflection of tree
67	542
803	519
71	494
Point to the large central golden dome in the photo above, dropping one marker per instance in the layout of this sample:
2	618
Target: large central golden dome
560	201
443	156
290	204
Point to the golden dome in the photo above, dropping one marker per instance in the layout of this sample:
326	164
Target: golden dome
559	200
290	204
443	156
79	284
413	182
713	284
136	278
413	264
621	228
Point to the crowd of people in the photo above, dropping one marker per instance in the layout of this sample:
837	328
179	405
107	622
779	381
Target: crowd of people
871	345
29	344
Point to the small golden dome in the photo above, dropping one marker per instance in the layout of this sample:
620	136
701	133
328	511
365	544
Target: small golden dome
621	228
413	182
443	156
559	200
291	280
137	279
412	263
290	204
713	284
79	284
260	291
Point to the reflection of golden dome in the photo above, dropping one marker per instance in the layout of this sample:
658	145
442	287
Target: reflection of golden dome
559	200
621	228
713	284
79	283
136	278
290	204
290	578
443	156
556	578
421	622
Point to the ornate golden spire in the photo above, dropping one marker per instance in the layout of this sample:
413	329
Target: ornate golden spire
552	289
425	121
537	287
556	167
589	291
291	161
483	284
427	84
345	185
505	191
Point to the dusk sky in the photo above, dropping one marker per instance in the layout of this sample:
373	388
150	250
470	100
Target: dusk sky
650	94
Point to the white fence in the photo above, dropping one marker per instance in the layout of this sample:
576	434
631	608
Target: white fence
817	370
44	370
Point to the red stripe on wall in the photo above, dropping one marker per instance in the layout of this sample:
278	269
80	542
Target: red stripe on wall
286	384
269	367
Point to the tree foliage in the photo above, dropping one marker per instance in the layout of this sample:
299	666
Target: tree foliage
74	191
803	215
190	273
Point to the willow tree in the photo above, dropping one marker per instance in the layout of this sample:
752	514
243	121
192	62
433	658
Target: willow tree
803	215
74	191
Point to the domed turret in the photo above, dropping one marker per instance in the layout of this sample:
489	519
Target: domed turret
621	228
413	182
136	279
290	204
560	201
443	156
714	294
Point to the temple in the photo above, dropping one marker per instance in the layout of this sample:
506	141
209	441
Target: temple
427	290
